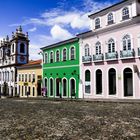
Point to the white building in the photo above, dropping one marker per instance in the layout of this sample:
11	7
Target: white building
13	53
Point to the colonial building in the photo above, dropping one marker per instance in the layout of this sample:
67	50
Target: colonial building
61	69
29	79
110	53
13	53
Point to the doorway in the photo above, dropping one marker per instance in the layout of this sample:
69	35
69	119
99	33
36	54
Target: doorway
128	82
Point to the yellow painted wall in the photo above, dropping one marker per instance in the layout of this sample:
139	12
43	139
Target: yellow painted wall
37	72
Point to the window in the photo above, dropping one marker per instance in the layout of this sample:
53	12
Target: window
72	53
97	23
0	76
57	56
111	46
51	57
46	58
13	47
25	77
33	80
87	81
110	18
87	51
98	48
22	77
8	76
12	76
125	13
22	48
29	77
126	43
64	54
19	77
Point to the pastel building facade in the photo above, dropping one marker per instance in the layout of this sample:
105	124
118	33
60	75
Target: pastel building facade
61	69
29	79
110	53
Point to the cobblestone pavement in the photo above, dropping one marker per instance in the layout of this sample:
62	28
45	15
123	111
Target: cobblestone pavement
29	119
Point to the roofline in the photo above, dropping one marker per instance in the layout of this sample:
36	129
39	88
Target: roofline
107	8
60	43
84	33
30	66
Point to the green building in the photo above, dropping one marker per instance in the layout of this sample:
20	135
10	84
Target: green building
61	69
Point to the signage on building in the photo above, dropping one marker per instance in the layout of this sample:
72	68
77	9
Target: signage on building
25	84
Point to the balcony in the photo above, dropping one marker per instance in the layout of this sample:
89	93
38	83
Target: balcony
127	54
125	17
111	56
98	57
87	59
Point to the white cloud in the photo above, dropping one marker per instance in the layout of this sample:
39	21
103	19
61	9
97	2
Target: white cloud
32	29
59	33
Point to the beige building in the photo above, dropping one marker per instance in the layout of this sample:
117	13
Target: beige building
29	79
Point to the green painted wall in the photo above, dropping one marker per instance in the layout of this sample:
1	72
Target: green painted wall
68	69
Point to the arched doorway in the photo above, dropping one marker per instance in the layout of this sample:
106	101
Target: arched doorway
112	81
51	87
98	81
64	87
72	88
58	87
128	82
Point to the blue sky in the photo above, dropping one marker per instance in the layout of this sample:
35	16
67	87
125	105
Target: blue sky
48	21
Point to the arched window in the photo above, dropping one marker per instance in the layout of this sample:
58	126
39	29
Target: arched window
111	46
98	48
125	13
22	48
112	81
110	18
46	58
126	43
64	54
72	53
98	81
57	56
87	81
51	87
87	51
51	57
97	23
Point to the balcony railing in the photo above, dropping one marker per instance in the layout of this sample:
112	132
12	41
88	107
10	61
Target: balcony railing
87	59
110	22
127	54
138	51
125	17
111	56
98	57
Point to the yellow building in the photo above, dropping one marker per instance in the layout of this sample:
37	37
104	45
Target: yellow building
29	79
